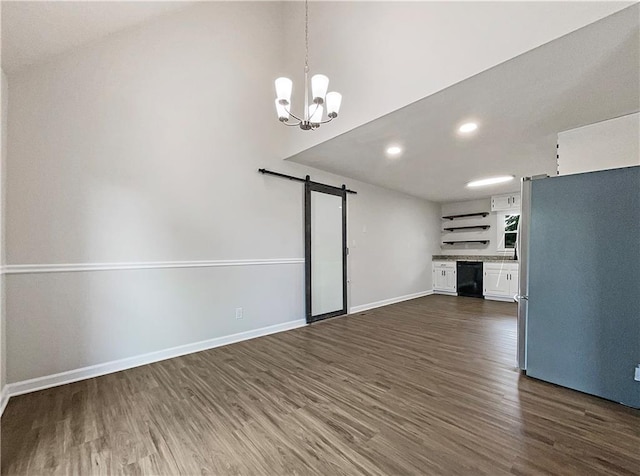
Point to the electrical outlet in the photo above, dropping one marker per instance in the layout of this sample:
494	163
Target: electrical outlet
238	313
637	374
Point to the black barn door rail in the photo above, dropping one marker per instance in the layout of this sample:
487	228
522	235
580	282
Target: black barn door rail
298	179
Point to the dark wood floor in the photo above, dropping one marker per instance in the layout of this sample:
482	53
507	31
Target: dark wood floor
428	386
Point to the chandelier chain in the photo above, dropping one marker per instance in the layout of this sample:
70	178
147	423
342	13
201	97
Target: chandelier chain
306	36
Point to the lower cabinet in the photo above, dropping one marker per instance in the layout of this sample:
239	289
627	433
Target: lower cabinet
444	277
500	281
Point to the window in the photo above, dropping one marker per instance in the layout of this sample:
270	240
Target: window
507	230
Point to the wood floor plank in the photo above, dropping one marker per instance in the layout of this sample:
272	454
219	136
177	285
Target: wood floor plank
428	386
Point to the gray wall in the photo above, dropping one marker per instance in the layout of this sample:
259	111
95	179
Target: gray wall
143	147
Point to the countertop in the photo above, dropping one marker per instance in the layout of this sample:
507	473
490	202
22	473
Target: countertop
489	258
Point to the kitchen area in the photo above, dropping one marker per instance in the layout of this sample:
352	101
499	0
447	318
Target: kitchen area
478	255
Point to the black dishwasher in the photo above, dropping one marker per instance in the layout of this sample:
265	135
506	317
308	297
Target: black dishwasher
469	279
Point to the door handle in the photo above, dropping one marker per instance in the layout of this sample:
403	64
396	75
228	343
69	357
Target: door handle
518	297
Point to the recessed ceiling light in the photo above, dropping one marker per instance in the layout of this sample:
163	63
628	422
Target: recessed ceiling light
468	127
394	150
490	181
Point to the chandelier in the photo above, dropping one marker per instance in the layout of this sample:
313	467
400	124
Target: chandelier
313	113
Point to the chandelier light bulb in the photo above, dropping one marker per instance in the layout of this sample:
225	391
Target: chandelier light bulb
283	90
319	86
283	114
333	101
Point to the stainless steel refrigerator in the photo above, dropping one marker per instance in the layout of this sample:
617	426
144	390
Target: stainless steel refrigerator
579	299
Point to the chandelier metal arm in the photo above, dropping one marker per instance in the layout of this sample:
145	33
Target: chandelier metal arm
293	115
314	111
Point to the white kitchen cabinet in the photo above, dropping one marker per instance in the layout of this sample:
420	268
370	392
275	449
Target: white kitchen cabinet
500	281
444	277
506	203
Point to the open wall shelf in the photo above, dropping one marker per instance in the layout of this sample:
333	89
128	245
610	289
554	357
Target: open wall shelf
467	215
453	228
484	242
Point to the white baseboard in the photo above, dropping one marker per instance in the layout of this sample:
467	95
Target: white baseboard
500	298
4	399
47	381
446	293
386	302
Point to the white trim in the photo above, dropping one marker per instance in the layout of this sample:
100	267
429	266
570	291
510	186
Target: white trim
4	399
445	293
499	298
47	381
386	302
75	267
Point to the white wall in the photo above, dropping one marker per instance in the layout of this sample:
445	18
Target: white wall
144	147
4	96
384	55
473	206
390	235
604	145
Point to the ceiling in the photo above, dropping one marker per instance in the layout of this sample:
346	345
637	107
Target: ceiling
33	31
590	75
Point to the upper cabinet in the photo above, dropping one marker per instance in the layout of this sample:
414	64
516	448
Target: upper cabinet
506	203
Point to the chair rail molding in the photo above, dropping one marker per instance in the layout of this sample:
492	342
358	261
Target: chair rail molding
80	267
